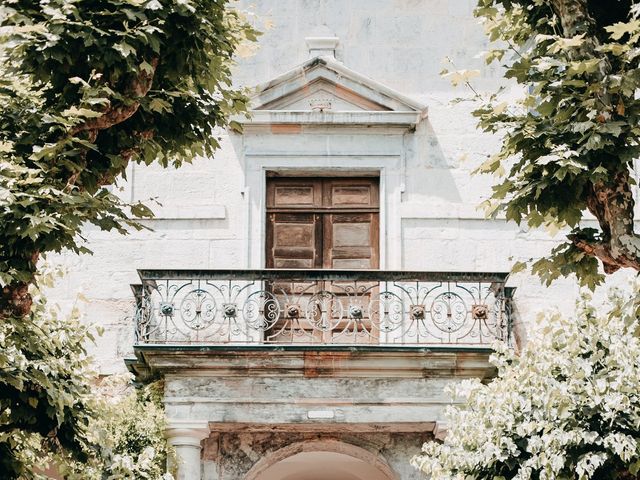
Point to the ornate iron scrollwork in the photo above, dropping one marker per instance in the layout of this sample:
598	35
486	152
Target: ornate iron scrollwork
166	309
270	306
355	311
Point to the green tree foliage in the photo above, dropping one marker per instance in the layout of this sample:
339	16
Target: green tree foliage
45	392
128	431
566	407
88	86
55	411
570	138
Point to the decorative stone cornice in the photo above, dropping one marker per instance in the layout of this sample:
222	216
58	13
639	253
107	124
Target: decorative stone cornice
290	98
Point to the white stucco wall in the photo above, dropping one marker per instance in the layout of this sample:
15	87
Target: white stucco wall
205	223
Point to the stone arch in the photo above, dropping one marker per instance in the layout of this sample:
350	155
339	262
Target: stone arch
331	450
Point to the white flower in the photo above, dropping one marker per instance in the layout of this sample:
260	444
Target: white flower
573	375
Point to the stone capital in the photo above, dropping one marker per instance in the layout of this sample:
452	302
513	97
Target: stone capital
187	433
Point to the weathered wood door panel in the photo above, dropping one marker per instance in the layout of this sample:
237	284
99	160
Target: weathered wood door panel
350	240
295	240
322	223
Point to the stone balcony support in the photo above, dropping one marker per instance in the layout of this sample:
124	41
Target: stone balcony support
186	438
440	430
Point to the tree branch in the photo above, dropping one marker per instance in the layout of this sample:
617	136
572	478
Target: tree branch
613	205
598	250
573	15
137	88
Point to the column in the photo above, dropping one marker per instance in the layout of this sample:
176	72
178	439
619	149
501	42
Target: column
185	437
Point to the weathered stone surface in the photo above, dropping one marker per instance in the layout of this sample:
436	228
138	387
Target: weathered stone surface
230	456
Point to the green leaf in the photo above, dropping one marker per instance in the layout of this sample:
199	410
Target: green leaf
153	5
518	267
146	67
618	30
125	49
159	105
140	210
81	112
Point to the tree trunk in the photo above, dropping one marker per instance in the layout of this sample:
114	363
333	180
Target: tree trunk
610	202
15	299
573	15
613	204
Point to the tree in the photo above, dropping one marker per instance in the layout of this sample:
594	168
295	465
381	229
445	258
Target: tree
566	407
87	87
570	139
55	412
46	404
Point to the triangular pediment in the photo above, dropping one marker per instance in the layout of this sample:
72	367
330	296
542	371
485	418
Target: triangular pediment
325	85
323	95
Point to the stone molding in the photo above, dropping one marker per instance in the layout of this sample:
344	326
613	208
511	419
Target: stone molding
321	45
261	389
310	363
328	69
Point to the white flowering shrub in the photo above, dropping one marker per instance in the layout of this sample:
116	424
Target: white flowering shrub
57	416
565	407
127	434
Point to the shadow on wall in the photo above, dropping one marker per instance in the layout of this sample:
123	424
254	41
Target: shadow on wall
429	172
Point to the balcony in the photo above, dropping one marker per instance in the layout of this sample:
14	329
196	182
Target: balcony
308	308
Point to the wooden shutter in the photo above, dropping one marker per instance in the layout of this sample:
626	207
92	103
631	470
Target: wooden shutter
351	224
294	230
295	239
322	223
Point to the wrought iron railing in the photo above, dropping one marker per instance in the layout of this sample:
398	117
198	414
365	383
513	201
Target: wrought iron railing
322	307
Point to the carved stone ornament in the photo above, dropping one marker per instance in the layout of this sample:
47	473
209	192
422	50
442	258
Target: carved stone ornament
320	104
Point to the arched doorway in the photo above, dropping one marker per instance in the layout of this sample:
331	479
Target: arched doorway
321	460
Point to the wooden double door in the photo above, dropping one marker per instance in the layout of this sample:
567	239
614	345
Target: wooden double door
323	223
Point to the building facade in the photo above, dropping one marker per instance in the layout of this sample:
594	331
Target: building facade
308	293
